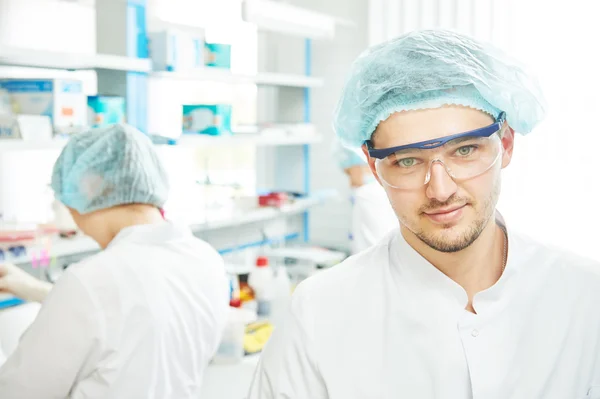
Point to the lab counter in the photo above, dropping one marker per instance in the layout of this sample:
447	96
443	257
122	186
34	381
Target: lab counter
229	381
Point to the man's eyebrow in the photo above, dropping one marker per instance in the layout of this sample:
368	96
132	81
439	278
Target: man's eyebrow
406	151
462	140
455	141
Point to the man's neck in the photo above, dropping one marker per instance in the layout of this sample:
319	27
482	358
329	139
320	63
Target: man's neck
476	268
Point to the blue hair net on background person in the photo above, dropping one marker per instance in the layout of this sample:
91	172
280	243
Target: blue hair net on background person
108	167
346	157
430	68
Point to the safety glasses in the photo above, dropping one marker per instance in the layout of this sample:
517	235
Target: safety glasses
464	155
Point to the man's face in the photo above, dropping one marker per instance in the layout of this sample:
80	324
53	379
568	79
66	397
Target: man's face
447	215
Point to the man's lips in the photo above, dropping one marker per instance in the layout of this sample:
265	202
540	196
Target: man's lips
444	210
446	215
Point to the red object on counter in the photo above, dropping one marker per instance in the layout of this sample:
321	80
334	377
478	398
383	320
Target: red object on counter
273	199
262	261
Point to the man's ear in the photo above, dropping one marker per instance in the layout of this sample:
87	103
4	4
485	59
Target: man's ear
371	162
508	145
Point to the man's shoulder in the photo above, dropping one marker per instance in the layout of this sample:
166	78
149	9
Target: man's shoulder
555	260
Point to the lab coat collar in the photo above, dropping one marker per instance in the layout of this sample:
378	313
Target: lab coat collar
433	281
155	233
496	297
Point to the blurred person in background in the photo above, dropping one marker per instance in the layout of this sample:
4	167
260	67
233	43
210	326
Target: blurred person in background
140	319
372	215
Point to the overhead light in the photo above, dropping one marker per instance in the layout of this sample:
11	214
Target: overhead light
284	18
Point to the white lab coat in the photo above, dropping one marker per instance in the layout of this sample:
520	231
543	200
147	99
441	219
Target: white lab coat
372	216
388	324
13	323
141	319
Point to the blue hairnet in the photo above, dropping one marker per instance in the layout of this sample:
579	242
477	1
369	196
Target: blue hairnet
346	157
107	167
430	68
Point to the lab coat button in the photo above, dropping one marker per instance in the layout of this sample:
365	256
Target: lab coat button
474	333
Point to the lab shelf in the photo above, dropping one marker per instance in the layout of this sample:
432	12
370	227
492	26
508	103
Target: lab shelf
21	145
10	302
266	213
275	16
62	60
225	76
12	145
247	139
64	247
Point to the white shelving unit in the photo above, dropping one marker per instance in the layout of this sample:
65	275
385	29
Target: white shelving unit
225	76
264	214
284	18
58	60
266	15
71	246
119	73
68	61
247	139
7	145
241	139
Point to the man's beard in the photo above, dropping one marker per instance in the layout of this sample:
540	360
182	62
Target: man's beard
440	243
467	238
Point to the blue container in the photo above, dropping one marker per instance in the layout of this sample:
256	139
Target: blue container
213	120
105	110
217	55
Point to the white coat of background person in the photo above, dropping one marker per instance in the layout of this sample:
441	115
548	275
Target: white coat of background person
372	215
455	303
140	319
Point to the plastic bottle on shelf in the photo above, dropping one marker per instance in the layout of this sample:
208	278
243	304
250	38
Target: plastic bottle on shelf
262	281
281	296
